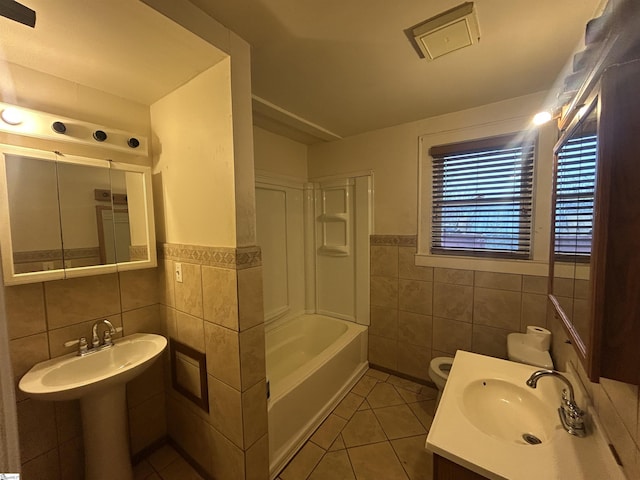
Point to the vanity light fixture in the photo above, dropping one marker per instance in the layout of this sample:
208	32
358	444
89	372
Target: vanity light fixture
12	116
100	135
541	118
133	142
58	127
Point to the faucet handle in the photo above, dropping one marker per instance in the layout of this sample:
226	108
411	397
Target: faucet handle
107	338
82	345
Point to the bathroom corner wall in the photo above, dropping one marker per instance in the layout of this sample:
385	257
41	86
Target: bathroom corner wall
217	309
617	404
418	313
41	317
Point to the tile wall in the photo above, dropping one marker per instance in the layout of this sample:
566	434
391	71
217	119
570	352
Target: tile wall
41	317
418	313
217	309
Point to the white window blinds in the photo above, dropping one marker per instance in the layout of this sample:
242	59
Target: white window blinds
482	197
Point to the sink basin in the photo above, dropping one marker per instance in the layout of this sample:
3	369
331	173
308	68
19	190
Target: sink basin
72	377
508	412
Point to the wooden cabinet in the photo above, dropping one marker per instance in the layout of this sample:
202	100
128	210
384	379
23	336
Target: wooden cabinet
606	331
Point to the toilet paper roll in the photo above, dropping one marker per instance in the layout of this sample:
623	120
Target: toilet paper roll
540	337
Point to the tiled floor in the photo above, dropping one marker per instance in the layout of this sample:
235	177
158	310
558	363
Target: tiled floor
377	432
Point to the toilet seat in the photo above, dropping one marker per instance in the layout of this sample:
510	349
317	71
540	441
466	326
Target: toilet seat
439	369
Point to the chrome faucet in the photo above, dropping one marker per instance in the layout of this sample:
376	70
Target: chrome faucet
107	341
571	416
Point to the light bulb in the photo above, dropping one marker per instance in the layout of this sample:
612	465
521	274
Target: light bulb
541	118
12	116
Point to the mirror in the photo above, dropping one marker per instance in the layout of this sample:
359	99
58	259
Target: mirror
574	190
65	216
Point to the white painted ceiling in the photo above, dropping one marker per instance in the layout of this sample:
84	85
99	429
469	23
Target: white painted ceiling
122	47
347	66
344	65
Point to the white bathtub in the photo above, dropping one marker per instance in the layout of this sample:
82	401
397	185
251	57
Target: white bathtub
312	362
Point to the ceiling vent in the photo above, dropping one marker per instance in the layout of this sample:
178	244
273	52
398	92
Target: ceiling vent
451	30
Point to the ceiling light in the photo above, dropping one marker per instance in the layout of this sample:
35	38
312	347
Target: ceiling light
12	116
449	31
541	118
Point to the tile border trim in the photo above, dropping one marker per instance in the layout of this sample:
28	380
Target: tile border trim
223	257
394	240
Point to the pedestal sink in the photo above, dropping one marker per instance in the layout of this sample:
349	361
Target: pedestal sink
98	381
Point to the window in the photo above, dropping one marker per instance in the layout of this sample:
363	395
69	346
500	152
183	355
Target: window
575	185
482	197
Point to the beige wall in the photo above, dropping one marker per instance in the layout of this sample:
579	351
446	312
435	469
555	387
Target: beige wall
279	155
193	169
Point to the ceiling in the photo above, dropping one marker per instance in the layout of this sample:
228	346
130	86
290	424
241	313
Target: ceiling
333	66
348	67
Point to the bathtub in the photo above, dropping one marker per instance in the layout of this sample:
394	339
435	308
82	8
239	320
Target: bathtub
312	363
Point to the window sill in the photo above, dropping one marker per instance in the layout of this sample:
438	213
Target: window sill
524	267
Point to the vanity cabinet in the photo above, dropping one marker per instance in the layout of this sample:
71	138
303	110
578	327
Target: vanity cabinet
597	292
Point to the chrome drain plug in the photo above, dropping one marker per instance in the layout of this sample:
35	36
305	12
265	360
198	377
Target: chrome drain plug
531	439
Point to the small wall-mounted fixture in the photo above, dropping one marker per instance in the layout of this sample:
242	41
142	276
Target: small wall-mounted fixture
58	127
449	31
100	135
11	116
541	118
133	142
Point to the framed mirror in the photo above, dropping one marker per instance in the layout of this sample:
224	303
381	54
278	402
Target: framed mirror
64	216
575	166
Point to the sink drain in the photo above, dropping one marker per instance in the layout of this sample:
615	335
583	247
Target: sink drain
531	439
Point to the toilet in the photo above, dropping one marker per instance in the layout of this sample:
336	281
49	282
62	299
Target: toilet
531	348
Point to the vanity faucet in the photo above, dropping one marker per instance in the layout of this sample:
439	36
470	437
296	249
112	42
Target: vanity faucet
571	416
95	340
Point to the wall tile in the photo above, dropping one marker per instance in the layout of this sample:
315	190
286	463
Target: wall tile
190	330
500	281
535	284
534	310
451	335
77	300
25	310
37	426
489	341
384	322
220	290
497	308
407	267
454	276
226	413
384	260
227	459
191	432
223	354
563	287
72	467
383	352
138	288
44	467
254	413
147	423
384	291
250	307
169	322
415	329
257	460
189	291
252	356
68	420
414	360
166	283
453	301
624	398
59	336
25	353
146	385
143	320
415	296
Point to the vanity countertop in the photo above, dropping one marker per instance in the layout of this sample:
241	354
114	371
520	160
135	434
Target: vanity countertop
560	455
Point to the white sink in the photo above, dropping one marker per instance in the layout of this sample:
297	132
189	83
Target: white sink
508	411
98	380
72	377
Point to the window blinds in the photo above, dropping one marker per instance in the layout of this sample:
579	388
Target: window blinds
575	186
482	197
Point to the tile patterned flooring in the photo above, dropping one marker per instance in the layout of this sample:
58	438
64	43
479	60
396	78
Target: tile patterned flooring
377	432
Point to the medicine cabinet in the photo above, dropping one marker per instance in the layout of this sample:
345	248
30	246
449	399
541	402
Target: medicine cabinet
64	216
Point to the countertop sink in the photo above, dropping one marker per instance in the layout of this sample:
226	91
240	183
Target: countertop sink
490	422
72	377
